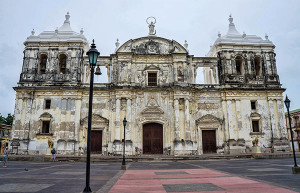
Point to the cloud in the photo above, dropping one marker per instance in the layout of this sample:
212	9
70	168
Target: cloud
196	21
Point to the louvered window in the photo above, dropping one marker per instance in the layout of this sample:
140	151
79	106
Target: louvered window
152	79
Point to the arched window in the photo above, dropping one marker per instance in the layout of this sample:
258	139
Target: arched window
257	66
43	63
239	64
62	64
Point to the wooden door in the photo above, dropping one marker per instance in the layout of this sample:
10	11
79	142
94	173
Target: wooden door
153	138
209	141
96	142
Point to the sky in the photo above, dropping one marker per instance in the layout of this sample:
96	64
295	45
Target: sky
196	21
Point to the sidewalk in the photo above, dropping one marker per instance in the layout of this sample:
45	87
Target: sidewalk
101	158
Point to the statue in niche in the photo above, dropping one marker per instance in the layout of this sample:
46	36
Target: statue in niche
141	77
164	76
50	143
123	71
255	142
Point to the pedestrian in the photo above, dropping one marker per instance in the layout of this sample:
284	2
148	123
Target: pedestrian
5	157
53	154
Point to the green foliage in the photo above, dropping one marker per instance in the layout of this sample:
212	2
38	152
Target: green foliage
7	120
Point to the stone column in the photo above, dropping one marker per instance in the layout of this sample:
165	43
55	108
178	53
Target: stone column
273	119
177	131
281	119
226	127
231	119
128	117
187	120
238	116
117	128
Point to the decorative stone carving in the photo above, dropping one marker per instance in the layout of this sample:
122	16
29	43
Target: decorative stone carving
152	107
208	106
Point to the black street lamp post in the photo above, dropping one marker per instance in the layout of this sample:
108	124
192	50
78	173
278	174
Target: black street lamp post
93	55
123	161
287	102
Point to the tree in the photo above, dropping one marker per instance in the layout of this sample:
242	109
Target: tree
7	120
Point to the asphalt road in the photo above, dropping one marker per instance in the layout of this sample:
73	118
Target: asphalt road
70	176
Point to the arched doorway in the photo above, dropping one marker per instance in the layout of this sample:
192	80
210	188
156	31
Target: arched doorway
152	138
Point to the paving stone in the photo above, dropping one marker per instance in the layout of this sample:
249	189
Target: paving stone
265	169
191	187
170	173
69	173
20	187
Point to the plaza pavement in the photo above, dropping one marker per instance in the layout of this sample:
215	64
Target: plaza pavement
246	175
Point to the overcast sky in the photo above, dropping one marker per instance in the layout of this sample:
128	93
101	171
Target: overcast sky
196	21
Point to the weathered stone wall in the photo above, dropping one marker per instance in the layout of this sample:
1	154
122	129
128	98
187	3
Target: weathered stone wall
183	114
183	108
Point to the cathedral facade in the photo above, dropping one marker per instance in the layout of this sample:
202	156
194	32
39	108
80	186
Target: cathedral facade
151	82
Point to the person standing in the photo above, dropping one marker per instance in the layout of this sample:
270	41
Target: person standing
5	157
53	156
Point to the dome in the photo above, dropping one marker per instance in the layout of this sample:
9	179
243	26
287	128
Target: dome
233	37
62	34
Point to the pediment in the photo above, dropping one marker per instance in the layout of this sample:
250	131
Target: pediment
46	115
152	45
255	115
152	67
95	118
208	119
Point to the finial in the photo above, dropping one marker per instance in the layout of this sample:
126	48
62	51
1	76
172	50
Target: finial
219	34
244	35
93	44
230	19
267	37
81	31
67	18
151	26
117	43
32	32
56	30
186	44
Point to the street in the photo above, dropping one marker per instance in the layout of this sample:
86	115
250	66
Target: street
251	175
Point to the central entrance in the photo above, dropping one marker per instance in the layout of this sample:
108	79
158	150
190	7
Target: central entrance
96	142
152	138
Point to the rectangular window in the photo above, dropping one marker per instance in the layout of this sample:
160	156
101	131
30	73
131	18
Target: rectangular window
152	79
255	126
47	104
46	127
253	105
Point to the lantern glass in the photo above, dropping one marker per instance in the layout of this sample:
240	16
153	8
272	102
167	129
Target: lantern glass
287	102
93	54
124	122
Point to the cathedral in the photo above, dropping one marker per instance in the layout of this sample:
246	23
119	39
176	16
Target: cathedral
152	83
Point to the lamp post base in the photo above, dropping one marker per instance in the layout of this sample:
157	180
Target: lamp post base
123	167
87	190
296	170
